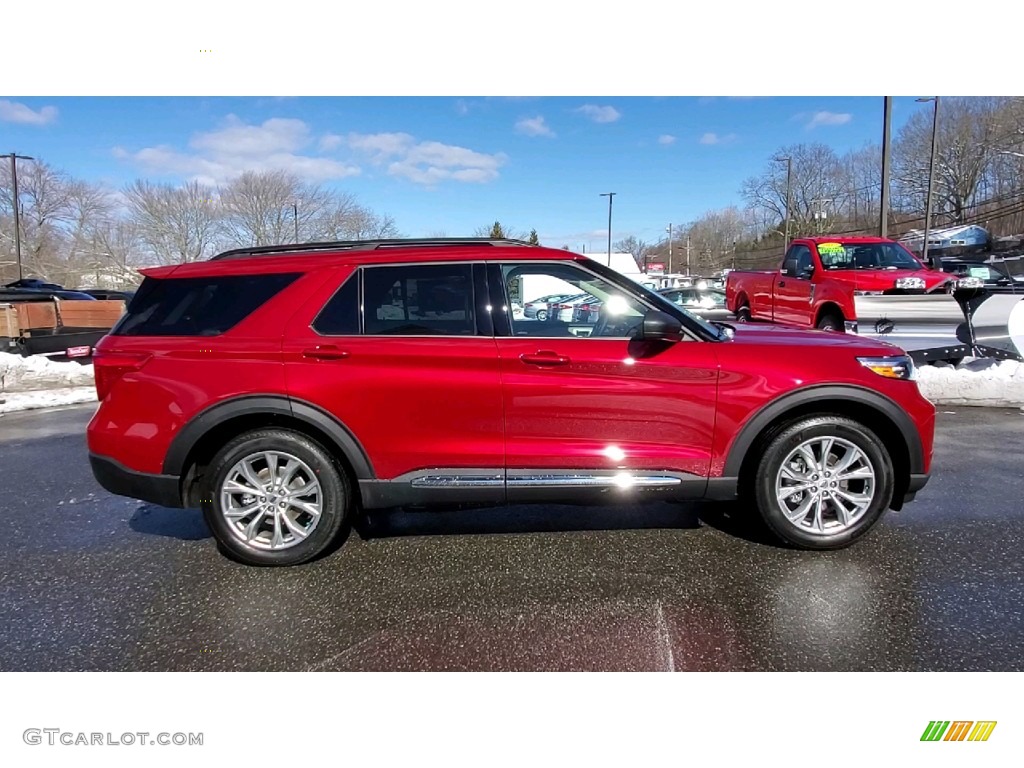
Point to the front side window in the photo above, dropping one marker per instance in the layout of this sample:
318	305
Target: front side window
565	300
419	300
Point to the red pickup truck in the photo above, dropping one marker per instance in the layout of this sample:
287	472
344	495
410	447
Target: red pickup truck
820	276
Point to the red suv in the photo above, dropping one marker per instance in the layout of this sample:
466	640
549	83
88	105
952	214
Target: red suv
283	389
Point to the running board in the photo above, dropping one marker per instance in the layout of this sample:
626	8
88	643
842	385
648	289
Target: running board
445	486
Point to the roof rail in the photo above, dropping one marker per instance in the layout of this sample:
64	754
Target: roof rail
361	245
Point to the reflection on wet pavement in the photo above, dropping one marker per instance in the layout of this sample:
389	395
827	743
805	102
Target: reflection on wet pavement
89	581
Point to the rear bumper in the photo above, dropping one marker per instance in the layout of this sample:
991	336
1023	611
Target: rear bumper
164	490
917	482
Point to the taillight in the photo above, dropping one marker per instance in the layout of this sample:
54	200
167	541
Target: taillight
109	366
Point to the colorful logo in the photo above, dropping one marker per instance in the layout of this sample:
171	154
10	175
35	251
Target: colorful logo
958	730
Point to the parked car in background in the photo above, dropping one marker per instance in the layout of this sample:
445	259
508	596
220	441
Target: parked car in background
540	309
569	310
994	275
33	287
708	303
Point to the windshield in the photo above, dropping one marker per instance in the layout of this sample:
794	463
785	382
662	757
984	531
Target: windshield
866	256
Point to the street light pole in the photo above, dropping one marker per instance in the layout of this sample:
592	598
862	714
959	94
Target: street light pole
789	195
15	157
931	179
609	195
669	230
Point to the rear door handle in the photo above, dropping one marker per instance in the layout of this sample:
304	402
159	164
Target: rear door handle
544	358
325	352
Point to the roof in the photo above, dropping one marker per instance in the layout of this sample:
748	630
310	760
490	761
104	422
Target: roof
310	256
942	233
842	239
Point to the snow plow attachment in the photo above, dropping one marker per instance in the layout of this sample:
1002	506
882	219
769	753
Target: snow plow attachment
996	325
971	321
926	326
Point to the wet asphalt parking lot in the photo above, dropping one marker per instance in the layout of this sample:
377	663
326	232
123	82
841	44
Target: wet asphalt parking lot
89	581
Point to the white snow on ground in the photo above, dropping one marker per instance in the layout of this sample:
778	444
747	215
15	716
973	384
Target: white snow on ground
974	382
24	374
46	398
38	382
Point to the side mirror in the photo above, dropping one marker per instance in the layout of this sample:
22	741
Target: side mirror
660	326
789	268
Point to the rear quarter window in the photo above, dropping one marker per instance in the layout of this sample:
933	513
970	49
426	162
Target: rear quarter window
198	306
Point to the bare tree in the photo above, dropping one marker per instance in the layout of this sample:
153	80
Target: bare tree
631	245
817	175
713	238
175	224
265	207
966	146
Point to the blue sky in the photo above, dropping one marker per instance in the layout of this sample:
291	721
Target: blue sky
449	164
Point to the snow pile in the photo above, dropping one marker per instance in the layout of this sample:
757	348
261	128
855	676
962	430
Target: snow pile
24	374
46	398
974	382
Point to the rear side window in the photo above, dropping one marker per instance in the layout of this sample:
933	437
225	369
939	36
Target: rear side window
197	306
421	299
340	316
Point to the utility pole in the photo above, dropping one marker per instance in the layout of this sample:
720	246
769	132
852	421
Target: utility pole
669	230
295	214
15	157
609	195
687	255
789	196
931	180
883	224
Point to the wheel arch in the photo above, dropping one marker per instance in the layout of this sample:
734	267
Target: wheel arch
877	412
204	434
829	308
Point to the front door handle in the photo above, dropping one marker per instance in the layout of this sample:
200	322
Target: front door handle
782	283
325	352
544	358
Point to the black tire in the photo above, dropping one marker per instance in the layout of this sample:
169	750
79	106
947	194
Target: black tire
743	314
542	314
335	497
831	322
788	440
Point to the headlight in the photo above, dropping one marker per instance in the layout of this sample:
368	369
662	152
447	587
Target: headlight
910	283
891	366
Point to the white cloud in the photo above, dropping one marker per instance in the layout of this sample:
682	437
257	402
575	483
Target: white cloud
381	145
666	138
331	142
534	126
600	114
714	138
220	155
15	112
427	162
829	118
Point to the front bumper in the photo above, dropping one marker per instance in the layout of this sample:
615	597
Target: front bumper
164	490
